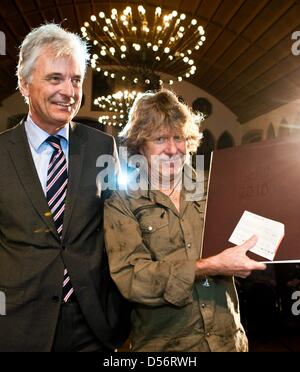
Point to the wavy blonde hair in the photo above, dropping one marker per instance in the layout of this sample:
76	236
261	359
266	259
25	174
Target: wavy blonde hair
153	111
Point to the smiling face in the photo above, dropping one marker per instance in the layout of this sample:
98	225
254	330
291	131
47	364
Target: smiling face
166	153
54	90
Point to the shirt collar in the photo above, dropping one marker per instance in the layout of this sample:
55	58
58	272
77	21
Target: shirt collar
38	136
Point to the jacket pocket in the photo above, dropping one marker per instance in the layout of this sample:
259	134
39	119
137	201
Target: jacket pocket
156	236
150	226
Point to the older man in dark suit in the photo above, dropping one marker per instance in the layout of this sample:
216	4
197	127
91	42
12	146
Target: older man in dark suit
53	269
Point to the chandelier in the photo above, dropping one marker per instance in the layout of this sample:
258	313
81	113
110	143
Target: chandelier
117	105
135	45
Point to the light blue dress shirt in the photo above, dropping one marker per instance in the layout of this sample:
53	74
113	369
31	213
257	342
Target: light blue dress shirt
41	150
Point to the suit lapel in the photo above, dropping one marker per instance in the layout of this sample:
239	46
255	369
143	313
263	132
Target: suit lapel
77	145
23	162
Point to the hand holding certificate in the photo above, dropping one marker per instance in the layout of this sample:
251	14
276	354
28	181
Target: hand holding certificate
261	178
269	233
230	262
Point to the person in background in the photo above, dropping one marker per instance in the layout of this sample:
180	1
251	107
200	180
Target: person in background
153	236
53	268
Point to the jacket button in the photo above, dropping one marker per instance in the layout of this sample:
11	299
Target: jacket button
55	299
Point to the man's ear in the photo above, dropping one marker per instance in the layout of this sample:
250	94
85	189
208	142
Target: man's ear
24	88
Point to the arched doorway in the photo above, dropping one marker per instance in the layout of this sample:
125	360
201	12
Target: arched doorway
225	140
206	147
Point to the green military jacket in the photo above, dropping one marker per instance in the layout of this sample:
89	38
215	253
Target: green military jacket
152	249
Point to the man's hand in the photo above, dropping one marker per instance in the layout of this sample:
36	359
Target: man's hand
231	262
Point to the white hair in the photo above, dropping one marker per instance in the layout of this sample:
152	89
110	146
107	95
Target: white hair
61	42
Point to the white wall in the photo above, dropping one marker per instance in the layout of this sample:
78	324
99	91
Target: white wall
222	118
285	121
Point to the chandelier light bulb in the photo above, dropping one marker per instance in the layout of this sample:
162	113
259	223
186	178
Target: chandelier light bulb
141	9
201	30
127	11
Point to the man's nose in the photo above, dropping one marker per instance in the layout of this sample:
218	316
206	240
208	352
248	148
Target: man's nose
171	147
68	88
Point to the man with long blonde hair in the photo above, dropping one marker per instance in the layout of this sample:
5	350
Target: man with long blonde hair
153	235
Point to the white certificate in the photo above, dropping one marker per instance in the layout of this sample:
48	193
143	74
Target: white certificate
268	232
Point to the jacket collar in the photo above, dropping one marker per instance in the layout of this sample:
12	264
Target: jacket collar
24	165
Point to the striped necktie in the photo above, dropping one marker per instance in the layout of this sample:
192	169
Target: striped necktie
56	191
